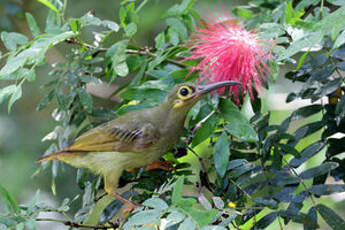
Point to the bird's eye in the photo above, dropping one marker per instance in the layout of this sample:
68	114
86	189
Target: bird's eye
184	92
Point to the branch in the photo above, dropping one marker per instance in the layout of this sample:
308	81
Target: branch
145	52
77	225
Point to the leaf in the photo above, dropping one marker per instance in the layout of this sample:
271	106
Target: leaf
231	113
117	53
319	170
243	132
179	27
49	5
340	40
85	99
12	39
15	96
112	208
111	25
160	41
212	227
236	163
221	154
202	217
326	189
35	30
174	217
266	221
173	37
187	224
156	203
6	92
331	218
130	29
206	130
8	201
179	9
307	153
76	25
312	213
144	217
177	190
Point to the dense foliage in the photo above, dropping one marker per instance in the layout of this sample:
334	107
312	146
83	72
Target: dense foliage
252	172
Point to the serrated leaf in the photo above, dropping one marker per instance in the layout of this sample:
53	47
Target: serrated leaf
331	218
14	97
35	30
221	154
319	170
85	99
49	5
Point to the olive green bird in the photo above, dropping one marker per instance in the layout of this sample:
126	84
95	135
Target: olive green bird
135	139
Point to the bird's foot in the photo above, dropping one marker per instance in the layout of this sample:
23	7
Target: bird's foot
164	165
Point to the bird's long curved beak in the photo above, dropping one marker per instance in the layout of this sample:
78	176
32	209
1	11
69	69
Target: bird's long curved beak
203	89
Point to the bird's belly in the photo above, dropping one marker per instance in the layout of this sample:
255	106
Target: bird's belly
104	162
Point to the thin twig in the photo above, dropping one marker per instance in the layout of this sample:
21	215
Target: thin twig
77	225
145	52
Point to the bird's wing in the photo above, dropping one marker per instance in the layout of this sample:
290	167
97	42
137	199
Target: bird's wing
116	137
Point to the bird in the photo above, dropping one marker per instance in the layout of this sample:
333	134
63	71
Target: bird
136	139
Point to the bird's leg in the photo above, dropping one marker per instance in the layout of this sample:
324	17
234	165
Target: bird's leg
131	205
164	165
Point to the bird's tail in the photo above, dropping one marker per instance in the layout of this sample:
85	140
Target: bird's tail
53	156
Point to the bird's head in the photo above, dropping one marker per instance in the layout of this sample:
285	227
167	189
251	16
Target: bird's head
183	96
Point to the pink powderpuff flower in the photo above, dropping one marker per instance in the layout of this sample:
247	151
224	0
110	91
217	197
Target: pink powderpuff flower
229	52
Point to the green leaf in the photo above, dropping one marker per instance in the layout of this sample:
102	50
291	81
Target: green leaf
174	217
307	153
173	37
231	113
202	217
319	170
331	218
156	203
326	189
144	217
179	9
266	221
76	25
15	96
177	191
117	53
46	100
8	202
212	227
206	130
111	25
12	39
130	29
35	30
179	27
49	5
187	224
6	92
85	99
243	132
340	40
160	41
221	154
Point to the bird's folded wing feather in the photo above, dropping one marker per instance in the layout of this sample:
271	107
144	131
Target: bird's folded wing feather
116	137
